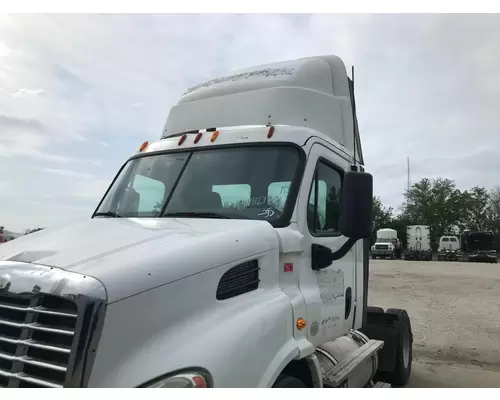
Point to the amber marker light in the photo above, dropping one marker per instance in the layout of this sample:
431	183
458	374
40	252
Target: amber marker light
214	136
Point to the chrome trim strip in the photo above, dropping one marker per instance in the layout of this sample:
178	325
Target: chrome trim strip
33	343
31	361
37	327
39	310
25	378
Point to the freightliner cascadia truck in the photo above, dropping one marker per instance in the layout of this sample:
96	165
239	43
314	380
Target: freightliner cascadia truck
231	252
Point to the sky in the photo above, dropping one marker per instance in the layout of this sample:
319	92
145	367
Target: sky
80	93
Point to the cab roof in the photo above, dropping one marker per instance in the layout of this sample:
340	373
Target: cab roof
310	92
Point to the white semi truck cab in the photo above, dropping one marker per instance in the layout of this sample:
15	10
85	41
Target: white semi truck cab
449	249
387	244
232	252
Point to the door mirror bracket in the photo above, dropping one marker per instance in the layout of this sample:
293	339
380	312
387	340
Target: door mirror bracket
322	257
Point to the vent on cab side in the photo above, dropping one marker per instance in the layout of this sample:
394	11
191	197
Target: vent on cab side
242	278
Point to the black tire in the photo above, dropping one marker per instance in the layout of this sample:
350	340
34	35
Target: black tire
404	350
393	256
374	257
286	381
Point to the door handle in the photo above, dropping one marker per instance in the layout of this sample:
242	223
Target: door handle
348	302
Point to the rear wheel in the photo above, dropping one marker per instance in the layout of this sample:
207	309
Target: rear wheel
286	381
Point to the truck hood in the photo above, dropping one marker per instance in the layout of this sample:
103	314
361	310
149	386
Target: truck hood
130	256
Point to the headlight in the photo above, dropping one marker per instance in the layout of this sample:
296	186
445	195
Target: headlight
181	380
373	247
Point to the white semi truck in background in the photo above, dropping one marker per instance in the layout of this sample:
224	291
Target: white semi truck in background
233	252
387	244
480	246
418	243
449	249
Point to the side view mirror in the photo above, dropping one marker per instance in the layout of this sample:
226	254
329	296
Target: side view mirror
356	202
355	221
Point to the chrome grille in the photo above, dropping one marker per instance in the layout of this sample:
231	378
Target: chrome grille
50	325
37	332
381	247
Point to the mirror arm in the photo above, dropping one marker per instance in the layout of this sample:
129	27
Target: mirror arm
343	249
322	257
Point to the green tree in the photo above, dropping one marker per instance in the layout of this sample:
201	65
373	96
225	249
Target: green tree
437	203
474	209
381	215
494	214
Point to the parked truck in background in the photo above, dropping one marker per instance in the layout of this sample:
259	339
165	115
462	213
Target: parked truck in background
418	239
387	244
480	247
449	249
232	252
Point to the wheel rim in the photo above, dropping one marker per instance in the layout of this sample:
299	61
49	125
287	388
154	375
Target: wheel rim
406	347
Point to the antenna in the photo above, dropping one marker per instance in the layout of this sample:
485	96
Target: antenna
408	185
354	119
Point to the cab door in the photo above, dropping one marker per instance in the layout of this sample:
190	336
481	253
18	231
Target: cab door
329	293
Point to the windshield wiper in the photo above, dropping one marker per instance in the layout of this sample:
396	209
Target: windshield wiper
197	214
107	214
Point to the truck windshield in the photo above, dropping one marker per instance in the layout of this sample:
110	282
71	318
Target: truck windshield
238	183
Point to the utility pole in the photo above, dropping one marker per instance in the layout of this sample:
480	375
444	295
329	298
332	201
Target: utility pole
408	184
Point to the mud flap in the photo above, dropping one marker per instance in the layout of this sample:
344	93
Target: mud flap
387	327
380	326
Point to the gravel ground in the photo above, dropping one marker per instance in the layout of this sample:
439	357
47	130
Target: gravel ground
455	314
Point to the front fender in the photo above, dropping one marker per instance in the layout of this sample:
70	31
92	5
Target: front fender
245	341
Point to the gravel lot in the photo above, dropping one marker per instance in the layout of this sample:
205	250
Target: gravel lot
455	314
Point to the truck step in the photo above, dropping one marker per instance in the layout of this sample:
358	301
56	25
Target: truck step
341	371
381	385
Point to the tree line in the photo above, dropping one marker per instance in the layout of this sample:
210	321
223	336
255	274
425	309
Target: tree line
445	208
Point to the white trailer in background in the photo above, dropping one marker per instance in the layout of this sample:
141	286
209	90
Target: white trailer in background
418	245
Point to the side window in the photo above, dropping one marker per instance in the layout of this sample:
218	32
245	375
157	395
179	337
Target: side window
323	205
277	193
233	196
149	193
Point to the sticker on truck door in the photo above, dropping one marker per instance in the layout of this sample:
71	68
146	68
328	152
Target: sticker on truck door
330	285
